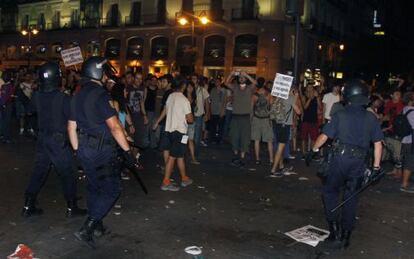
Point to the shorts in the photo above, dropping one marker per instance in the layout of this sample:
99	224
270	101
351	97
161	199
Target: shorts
309	129
408	157
282	132
262	130
191	131
174	145
20	109
392	150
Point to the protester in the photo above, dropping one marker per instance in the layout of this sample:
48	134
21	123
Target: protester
190	93
178	115
150	105
218	96
407	145
281	114
201	112
136	103
166	84
309	125
261	124
243	87
6	106
24	95
329	99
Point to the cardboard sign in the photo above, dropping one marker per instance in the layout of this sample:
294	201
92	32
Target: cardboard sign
72	56
282	85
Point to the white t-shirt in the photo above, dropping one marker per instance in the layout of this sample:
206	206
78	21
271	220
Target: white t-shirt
202	96
177	106
329	99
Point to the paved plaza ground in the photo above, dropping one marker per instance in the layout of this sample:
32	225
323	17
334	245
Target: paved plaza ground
230	213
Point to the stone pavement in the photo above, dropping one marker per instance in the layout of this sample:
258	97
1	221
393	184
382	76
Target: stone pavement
230	213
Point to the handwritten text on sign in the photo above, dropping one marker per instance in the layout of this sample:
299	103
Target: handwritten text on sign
71	56
282	85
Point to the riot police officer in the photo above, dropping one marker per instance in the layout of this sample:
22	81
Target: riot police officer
52	108
352	130
94	130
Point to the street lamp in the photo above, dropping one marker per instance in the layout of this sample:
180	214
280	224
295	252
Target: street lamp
29	32
186	18
341	47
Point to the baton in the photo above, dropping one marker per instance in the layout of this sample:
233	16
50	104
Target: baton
363	188
138	178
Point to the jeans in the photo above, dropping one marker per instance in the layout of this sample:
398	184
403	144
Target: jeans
151	135
5	121
198	133
227	121
216	128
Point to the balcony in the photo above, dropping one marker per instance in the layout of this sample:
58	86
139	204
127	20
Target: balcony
238	14
146	19
110	22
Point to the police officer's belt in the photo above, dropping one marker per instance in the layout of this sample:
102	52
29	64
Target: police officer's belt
350	150
95	142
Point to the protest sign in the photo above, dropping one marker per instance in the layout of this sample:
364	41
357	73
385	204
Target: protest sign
282	85
72	56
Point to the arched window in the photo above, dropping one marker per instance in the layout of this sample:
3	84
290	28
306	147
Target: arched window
135	48
112	49
214	50
159	48
93	48
245	50
185	46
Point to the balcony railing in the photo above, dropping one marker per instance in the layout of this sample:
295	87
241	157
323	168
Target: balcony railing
76	23
245	14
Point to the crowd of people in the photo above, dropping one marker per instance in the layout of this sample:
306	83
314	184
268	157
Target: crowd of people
238	110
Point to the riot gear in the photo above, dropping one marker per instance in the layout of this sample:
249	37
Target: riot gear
96	67
355	91
49	76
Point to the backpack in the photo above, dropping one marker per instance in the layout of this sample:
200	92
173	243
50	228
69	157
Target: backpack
401	126
279	112
261	109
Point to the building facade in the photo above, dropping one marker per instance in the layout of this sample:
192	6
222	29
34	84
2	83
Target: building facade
145	35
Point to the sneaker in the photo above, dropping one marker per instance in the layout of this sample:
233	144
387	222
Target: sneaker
203	143
286	170
235	162
125	176
258	162
186	182
170	187
407	189
21	131
277	174
195	162
292	157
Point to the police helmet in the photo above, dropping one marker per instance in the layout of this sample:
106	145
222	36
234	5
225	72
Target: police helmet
356	92
96	67
50	76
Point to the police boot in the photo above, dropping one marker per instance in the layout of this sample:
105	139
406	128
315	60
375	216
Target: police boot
85	234
334	232
29	208
100	229
345	239
73	210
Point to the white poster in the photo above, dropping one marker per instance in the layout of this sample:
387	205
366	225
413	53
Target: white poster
282	85
309	234
72	56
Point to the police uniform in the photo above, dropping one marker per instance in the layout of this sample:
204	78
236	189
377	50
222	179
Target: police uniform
97	149
52	108
352	129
